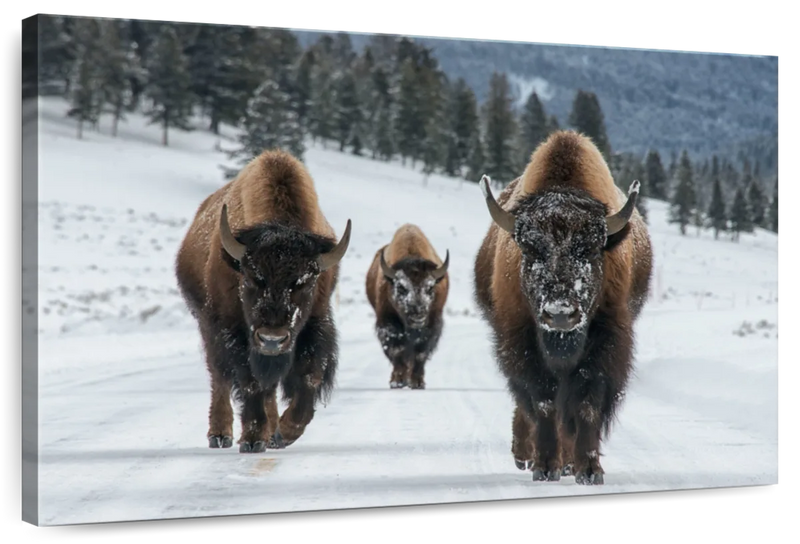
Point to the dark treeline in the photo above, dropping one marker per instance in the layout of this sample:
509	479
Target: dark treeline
390	100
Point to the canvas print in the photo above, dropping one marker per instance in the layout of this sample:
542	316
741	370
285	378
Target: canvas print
270	270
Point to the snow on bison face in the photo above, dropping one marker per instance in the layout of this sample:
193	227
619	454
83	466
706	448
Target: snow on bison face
412	287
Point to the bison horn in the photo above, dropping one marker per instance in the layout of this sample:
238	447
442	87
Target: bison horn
388	271
234	248
503	218
617	222
332	258
442	270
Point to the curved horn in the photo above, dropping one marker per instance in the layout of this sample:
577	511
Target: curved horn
234	248
504	219
388	271
442	270
331	258
617	222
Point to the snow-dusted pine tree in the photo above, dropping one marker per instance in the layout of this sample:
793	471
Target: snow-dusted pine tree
86	96
717	216
500	140
169	84
772	214
684	199
118	67
741	215
270	123
533	127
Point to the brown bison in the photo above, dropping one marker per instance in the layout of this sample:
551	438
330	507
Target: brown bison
260	292
561	277
407	286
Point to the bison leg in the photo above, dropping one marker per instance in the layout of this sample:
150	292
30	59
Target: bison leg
544	425
521	440
310	378
567	440
220	414
423	349
587	454
589	396
394	344
255	426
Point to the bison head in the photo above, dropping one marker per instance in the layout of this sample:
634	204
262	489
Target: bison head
412	283
562	236
278	270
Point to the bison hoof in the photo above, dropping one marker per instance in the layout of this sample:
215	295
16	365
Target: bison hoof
584	478
568	470
397	385
540	475
276	442
259	446
220	441
420	385
523	465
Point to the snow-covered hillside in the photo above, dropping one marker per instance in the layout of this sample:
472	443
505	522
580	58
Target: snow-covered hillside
124	391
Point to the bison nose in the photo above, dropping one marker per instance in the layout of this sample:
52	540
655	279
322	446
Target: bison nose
272	341
561	317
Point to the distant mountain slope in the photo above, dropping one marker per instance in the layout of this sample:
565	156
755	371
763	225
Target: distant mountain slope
706	103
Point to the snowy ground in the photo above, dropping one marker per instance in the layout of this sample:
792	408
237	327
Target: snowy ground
124	391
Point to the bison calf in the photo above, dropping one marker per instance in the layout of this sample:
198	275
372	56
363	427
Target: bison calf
561	276
407	286
260	292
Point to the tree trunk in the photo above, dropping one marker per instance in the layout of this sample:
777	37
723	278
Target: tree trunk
164	137
80	129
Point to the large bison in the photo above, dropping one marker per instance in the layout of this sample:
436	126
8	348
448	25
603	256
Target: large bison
257	269
407	286
561	276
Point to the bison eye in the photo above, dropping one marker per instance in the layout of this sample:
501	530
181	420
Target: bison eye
401	290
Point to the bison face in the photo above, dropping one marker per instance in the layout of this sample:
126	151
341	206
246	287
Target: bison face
562	236
412	288
279	268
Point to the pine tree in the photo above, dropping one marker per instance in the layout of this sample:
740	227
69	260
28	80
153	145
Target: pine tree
757	202
169	83
741	217
409	124
119	66
323	102
587	118
476	160
56	53
534	127
384	147
347	113
552	125
685	198
86	96
269	123
501	131
717	215
303	86
772	215
463	124
656	176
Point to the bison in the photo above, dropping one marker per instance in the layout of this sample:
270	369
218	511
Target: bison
561	277
407	286
257	269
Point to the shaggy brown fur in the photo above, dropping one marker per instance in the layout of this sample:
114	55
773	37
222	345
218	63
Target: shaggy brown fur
407	348
272	205
564	404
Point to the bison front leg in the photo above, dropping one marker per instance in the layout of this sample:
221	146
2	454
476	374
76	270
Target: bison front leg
255	427
522	439
567	440
423	349
220	414
592	400
309	379
540	409
394	344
